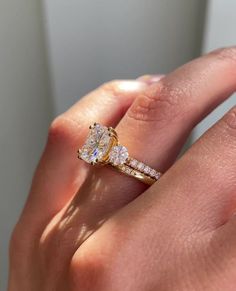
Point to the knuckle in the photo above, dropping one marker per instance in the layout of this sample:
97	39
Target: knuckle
91	270
119	88
111	86
62	130
95	265
162	102
227	54
20	243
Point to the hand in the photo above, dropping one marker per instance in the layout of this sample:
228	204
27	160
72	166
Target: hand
89	228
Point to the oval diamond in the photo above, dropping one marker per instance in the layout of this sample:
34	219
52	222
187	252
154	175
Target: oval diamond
97	144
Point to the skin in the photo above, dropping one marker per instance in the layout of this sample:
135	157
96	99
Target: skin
89	228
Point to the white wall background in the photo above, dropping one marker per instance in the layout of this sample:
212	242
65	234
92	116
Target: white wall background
25	110
220	31
88	42
91	42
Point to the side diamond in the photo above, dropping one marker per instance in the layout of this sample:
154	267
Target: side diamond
146	170
133	163
140	166
153	173
157	175
118	155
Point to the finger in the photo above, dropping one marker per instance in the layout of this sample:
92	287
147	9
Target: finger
193	202
161	118
151	79
107	191
200	188
156	125
60	173
191	211
154	130
159	121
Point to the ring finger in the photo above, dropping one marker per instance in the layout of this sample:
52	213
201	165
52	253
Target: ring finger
154	129
159	121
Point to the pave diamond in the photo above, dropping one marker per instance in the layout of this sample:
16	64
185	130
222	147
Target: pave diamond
133	163
140	166
157	175
118	155
152	173
97	144
146	170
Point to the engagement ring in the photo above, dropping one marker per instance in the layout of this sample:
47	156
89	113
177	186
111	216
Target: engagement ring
102	147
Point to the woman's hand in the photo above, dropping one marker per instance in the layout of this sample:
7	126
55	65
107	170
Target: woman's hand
87	228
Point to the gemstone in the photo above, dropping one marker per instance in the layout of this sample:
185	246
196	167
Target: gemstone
118	155
96	145
157	175
153	173
133	163
140	166
146	170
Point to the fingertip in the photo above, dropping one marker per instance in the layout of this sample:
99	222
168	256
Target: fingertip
150	79
131	86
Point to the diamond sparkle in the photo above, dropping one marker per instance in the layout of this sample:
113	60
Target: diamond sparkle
97	144
118	155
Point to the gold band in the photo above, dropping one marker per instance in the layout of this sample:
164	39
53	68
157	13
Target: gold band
125	169
102	147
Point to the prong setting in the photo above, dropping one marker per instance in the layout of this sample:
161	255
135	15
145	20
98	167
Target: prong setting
102	147
97	144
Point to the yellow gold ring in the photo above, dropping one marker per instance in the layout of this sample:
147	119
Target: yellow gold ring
102	147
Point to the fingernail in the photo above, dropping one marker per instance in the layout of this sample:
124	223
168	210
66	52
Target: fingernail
131	85
150	79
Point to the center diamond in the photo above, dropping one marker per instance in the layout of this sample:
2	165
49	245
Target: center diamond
97	145
118	155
